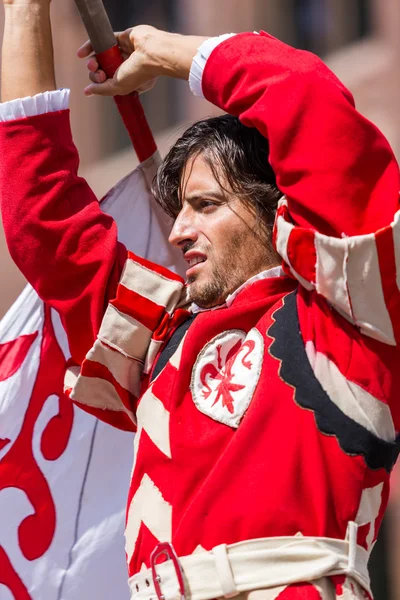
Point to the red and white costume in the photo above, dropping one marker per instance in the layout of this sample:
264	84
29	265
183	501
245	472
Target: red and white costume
277	414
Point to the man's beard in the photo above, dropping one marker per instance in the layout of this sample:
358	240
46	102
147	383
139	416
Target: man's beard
230	272
211	293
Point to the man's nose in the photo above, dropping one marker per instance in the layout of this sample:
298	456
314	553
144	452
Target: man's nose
183	230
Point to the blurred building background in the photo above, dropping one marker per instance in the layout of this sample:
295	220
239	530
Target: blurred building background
358	38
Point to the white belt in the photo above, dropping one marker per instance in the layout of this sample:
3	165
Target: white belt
251	565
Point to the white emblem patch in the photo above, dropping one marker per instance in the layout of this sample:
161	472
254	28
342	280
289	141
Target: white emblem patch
226	373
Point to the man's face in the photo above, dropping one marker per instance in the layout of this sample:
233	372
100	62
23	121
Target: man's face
221	238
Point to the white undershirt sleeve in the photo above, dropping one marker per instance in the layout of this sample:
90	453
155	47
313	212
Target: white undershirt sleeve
199	62
34	105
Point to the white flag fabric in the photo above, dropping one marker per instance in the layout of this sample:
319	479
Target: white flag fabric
64	476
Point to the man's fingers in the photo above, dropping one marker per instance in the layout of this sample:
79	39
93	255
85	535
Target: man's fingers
85	50
92	64
124	41
98	77
133	74
108	88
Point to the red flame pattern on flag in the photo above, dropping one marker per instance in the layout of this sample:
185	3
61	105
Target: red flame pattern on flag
18	468
13	354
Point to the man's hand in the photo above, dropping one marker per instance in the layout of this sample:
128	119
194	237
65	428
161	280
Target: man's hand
149	53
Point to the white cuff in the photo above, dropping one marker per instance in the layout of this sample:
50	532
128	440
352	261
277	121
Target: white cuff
199	62
34	105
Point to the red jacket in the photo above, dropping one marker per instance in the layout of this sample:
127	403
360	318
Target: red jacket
279	414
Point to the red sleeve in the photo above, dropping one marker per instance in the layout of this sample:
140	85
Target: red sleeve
59	238
337	170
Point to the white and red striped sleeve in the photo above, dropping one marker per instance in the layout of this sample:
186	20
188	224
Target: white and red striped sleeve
358	275
338	227
135	326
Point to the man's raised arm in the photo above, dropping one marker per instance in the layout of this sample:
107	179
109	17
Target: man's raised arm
337	230
57	234
336	168
27	54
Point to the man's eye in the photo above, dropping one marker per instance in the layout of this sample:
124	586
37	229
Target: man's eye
206	204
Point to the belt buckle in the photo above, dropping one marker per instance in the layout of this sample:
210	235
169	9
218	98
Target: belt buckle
166	549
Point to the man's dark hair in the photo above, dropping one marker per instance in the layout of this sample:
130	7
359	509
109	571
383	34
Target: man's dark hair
235	153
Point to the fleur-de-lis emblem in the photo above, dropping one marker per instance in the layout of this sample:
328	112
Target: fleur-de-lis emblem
225	377
226	373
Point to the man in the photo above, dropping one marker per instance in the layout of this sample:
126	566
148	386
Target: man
265	400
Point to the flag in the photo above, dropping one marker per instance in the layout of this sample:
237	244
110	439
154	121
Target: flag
64	476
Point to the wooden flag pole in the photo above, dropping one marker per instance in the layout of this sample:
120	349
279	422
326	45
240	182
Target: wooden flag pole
101	35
